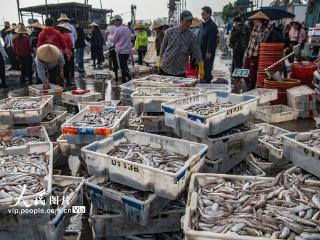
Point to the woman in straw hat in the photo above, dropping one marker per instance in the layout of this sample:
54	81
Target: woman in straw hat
8	45
97	42
23	51
258	36
141	41
158	27
49	62
297	35
64	30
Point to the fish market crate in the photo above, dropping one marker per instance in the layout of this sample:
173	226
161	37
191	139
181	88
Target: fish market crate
53	121
89	133
177	117
83	105
302	98
111	224
135	209
138	175
72	235
135	121
298	149
74	99
270	144
55	90
247	168
155	123
213	87
55	228
97	85
149	99
264	95
127	88
17	111
23	141
68	149
193	223
164	81
105	75
276	114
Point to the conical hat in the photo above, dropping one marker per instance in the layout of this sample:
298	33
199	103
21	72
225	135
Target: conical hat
196	23
155	25
21	29
139	26
48	53
64	26
259	15
37	25
63	17
93	24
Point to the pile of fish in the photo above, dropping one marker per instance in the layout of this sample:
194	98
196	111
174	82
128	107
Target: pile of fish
22	104
19	141
106	118
285	208
268	136
238	129
300	174
152	157
259	159
50	117
206	109
131	192
19	170
134	119
310	139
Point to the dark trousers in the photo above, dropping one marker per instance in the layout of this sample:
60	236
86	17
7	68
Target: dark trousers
167	74
53	75
2	71
71	69
141	54
208	65
80	54
67	70
113	61
125	72
252	65
26	68
237	59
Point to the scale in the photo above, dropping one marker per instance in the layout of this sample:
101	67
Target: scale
238	76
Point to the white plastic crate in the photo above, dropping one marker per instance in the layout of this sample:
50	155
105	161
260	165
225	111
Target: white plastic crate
264	95
300	154
54	125
83	105
105	226
164	81
302	98
149	99
84	135
55	228
135	210
251	168
27	116
276	114
155	123
203	126
213	87
55	90
139	176
74	99
36	147
267	150
68	149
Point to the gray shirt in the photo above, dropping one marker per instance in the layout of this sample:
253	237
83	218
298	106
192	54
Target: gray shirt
42	66
176	48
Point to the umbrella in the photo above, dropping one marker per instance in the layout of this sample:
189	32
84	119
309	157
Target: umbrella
272	13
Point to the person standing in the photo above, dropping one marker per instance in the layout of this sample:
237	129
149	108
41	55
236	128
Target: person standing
23	51
80	46
4	30
113	61
8	44
208	42
258	36
178	43
97	42
239	39
297	35
122	41
3	57
141	42
158	28
49	62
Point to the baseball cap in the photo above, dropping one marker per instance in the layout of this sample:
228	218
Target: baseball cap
186	15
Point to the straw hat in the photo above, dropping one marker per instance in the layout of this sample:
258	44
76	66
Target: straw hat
196	23
64	27
21	29
37	25
296	21
259	16
139	26
155	25
93	24
48	53
63	17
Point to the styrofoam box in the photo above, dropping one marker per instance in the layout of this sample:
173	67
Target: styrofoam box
113	225
302	98
264	95
27	116
56	227
301	155
68	149
54	125
198	180
139	176
213	87
147	99
55	90
74	99
267	150
135	210
29	147
84	135
155	124
203	126
164	81
83	105
277	113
